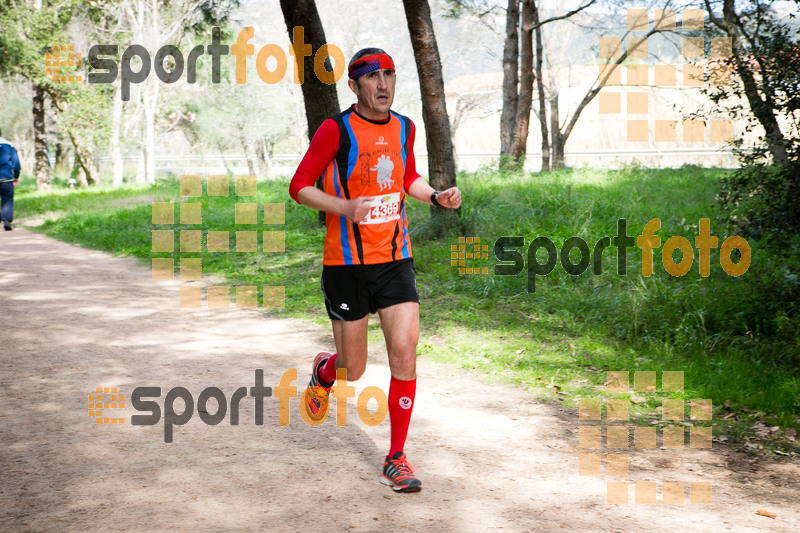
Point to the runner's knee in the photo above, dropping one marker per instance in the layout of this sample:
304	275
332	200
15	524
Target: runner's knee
355	371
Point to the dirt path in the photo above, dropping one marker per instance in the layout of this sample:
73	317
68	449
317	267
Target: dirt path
490	458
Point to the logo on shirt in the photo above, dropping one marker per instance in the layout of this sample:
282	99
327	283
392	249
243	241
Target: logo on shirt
364	160
384	168
381	142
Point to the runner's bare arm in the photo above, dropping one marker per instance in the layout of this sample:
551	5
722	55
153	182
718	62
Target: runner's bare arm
355	208
420	190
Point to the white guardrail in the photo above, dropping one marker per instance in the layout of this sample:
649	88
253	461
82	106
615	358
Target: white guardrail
285	164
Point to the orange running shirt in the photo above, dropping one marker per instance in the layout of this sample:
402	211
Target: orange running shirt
358	157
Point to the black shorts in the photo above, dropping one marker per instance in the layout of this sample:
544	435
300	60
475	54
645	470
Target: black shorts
353	291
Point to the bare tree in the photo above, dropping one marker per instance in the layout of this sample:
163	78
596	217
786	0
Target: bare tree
320	99
42	162
156	23
519	138
519	62
747	48
508	116
441	163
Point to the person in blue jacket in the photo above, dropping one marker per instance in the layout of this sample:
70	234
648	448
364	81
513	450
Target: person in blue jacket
9	178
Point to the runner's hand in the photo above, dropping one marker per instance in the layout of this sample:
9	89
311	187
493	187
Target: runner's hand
357	209
450	198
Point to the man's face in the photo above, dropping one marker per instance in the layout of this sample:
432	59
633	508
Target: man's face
375	93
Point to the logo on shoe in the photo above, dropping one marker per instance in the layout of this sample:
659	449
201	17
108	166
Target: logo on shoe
405	402
344	306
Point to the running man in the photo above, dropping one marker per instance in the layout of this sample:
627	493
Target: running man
365	156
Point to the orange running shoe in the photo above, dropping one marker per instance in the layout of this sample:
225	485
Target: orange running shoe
315	397
398	474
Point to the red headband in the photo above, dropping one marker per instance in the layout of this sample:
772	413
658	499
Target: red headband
367	64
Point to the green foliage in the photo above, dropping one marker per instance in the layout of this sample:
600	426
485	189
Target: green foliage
87	113
770	48
762	202
28	34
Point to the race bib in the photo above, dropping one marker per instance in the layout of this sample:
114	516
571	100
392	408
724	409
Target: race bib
383	208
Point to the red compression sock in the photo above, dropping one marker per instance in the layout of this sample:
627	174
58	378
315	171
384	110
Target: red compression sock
401	403
327	372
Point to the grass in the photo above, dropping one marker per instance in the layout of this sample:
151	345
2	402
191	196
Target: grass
733	345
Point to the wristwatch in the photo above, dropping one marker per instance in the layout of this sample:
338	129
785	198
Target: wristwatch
434	201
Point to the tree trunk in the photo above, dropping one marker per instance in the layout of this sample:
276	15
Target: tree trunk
510	80
114	149
150	90
441	164
270	151
140	172
540	90
774	136
462	106
224	161
243	142
83	152
79	174
42	165
84	157
558	139
519	141
261	158
62	157
150	100
321	100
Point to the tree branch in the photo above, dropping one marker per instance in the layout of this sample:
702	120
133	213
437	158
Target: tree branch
564	16
592	93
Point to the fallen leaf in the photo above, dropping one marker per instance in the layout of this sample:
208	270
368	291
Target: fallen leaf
760	429
762	512
521	351
729	415
638	399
